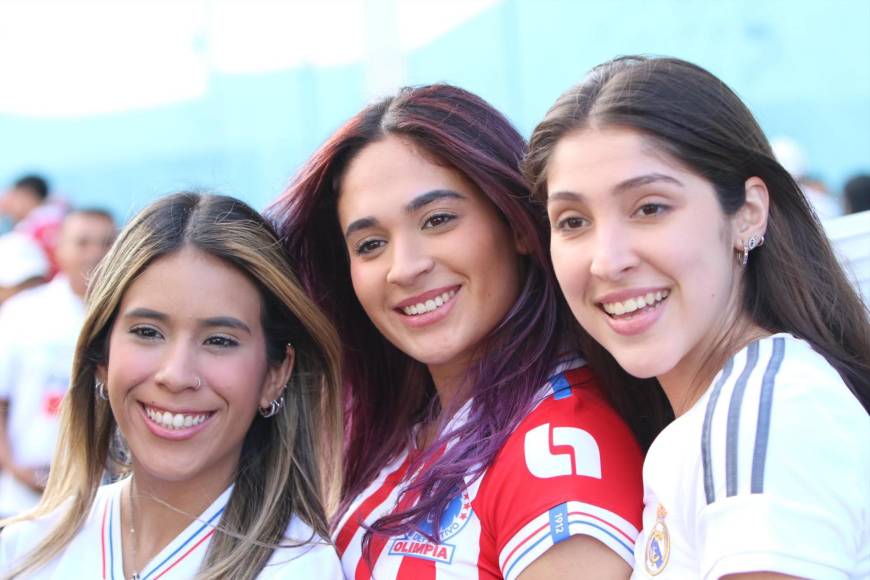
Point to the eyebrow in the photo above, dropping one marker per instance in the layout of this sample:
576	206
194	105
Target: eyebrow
430	197
146	313
215	321
414	205
620	187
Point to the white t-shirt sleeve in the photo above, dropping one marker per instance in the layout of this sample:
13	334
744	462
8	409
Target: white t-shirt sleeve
18	540
315	558
798	503
7	352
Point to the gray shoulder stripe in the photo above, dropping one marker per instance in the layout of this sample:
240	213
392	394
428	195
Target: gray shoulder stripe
765	404
731	437
705	433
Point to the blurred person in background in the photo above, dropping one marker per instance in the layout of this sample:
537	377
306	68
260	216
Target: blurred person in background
34	213
791	156
38	332
23	264
857	193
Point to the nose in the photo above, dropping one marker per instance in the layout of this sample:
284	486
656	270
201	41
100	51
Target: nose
614	253
177	370
410	260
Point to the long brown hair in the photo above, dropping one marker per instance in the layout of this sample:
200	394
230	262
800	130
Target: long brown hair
289	463
794	283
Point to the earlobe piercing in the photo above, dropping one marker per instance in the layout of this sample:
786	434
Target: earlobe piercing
749	245
100	389
273	408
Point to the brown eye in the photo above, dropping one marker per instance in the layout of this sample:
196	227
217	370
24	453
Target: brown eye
437	220
652	209
367	247
572	223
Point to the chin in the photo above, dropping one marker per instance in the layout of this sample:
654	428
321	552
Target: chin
645	367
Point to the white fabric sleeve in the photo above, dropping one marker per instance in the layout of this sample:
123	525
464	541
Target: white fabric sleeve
7	354
812	515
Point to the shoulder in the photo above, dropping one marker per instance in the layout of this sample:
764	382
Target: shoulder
21	538
785	448
571	467
573	411
571	440
776	400
22	309
304	554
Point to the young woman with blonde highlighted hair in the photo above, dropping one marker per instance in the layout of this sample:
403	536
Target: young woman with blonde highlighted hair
210	382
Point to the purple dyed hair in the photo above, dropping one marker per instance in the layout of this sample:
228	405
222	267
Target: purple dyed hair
388	391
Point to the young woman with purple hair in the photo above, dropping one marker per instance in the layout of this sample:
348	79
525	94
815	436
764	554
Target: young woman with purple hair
414	229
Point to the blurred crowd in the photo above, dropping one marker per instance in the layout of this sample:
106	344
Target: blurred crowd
46	258
45	262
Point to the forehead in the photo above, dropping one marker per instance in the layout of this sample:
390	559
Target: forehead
191	283
391	172
82	224
607	154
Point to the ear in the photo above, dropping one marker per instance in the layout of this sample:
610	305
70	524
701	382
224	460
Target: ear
100	373
520	243
277	378
751	219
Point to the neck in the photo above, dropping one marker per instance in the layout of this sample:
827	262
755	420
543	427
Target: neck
450	379
77	284
687	382
155	511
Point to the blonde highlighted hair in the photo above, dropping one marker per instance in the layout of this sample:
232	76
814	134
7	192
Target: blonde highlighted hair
290	463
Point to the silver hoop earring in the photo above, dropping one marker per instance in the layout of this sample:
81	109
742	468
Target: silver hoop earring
100	389
273	408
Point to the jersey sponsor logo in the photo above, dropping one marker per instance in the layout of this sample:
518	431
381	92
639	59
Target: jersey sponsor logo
417	545
583	459
658	545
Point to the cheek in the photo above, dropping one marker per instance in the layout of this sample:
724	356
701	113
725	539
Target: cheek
127	365
365	284
570	265
239	377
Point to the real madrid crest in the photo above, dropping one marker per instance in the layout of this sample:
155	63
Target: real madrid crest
658	544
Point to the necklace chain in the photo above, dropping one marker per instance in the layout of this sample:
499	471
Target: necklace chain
135	558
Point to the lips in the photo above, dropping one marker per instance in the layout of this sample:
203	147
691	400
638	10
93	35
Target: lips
427	302
430	305
633	312
175	421
632	304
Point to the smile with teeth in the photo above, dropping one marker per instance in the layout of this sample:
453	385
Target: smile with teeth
632	304
430	305
169	420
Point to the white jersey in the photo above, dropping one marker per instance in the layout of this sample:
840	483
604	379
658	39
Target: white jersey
95	552
38	333
768	471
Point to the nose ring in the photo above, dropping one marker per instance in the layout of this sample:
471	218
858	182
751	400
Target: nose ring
197	383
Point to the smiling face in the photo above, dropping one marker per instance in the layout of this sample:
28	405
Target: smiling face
642	250
432	264
187	368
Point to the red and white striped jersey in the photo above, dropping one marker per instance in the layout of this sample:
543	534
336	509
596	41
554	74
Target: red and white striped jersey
572	466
